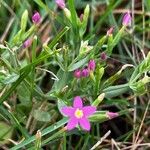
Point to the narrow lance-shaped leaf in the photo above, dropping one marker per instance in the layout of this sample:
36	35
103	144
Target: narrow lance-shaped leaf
24	20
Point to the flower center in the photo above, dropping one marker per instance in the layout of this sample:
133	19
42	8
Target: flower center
78	113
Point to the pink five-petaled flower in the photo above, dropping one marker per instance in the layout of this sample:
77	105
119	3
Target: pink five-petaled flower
78	114
60	3
126	19
91	65
36	18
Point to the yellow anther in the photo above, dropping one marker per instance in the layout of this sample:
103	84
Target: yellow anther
79	113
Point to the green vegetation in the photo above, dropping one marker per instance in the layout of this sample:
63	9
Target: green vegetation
51	52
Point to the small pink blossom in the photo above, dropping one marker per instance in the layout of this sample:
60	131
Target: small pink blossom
91	65
27	43
85	72
78	114
36	18
60	3
112	115
126	19
77	73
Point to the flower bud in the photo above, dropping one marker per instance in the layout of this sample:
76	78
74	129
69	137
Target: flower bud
36	18
81	17
60	3
126	19
77	73
112	115
103	56
38	135
67	13
85	72
91	65
27	43
110	31
98	100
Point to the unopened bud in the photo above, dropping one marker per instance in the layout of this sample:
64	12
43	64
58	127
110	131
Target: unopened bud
98	100
112	115
60	3
126	19
36	18
38	135
110	31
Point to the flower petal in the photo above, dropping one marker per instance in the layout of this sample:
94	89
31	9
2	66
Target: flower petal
88	110
72	123
77	103
68	111
85	124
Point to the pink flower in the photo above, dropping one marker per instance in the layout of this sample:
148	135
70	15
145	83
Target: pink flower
60	3
27	43
36	18
78	114
91	65
126	19
112	115
85	72
77	73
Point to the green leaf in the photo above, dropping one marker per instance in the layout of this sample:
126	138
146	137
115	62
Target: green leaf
123	102
73	13
77	65
41	115
41	4
17	37
13	87
44	132
5	133
58	37
115	40
64	78
10	78
116	90
83	24
139	87
24	94
24	20
14	121
116	76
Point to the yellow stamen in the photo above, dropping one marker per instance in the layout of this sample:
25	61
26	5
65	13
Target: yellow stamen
79	113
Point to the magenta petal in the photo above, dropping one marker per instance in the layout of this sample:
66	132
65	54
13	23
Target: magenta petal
77	103
72	123
88	110
68	111
85	124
